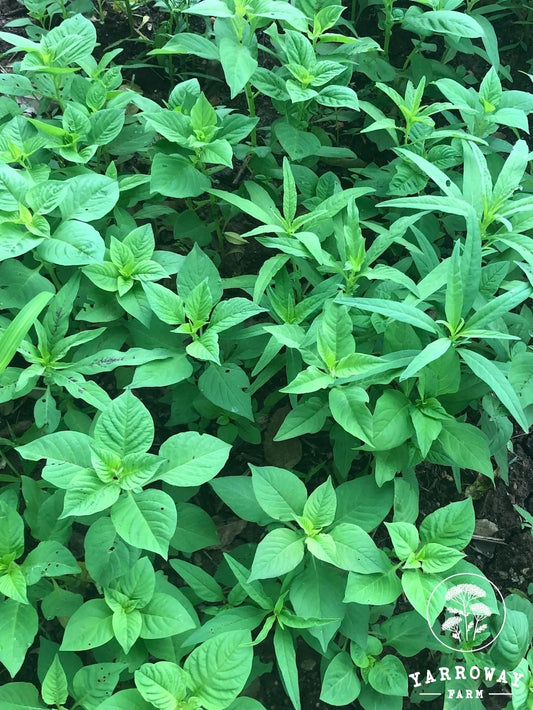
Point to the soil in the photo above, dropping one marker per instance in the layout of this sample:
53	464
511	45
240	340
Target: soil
507	562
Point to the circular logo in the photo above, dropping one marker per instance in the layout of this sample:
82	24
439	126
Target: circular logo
471	619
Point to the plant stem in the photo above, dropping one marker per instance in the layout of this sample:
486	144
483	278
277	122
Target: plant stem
129	14
251	110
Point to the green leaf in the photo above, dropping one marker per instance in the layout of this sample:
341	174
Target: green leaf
54	688
126	426
338	97
388	676
321	505
453	525
224	386
146	520
419	587
362	502
238	64
193	458
278	553
397	311
202	584
163	684
279	492
126	700
237	492
513	641
232	312
438	558
466	446
286	660
13	583
391	420
49	559
447	22
127	627
356	551
404	538
175	176
341	684
107	556
219	668
11	531
90	626
195	529
72	243
93	684
309	380
488	372
18	627
307	417
348	408
334	335
14	334
164	616
20	696
378	588
89	197
433	351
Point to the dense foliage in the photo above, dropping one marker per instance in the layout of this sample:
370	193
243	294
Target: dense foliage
382	201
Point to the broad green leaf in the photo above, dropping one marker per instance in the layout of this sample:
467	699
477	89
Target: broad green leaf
49	559
20	696
238	63
453	525
307	417
224	386
419	587
18	626
278	553
348	408
193	458
404	538
89	197
163	684
362	502
391	420
195	529
334	335
438	558
72	243
107	556
341	684
125	426
146	520
309	380
433	351
219	668
11	531
164	616
388	676
203	585
90	626
466	446
94	683
378	588
126	700
321	505
127	627
511	645
237	492
447	22
54	688
279	492
175	176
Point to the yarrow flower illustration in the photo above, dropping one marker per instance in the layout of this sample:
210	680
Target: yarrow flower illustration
467	612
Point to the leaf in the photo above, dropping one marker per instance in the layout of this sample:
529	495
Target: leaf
18	627
126	700
72	243
513	641
54	688
378	588
89	627
466	446
14	334
224	386
278	553
165	616
308	417
433	351
20	696
453	525
49	559
321	505
446	22
237	62
163	684
93	684
334	337
193	458
219	668
388	676
419	587
392	424
125	426
286	660
488	372
237	492
397	311
146	520
338	97
279	492
341	684
175	176
202	584
348	408
89	197
232	312
195	529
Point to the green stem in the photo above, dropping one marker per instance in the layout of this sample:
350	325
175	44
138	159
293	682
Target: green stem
129	14
216	221
388	26
251	110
